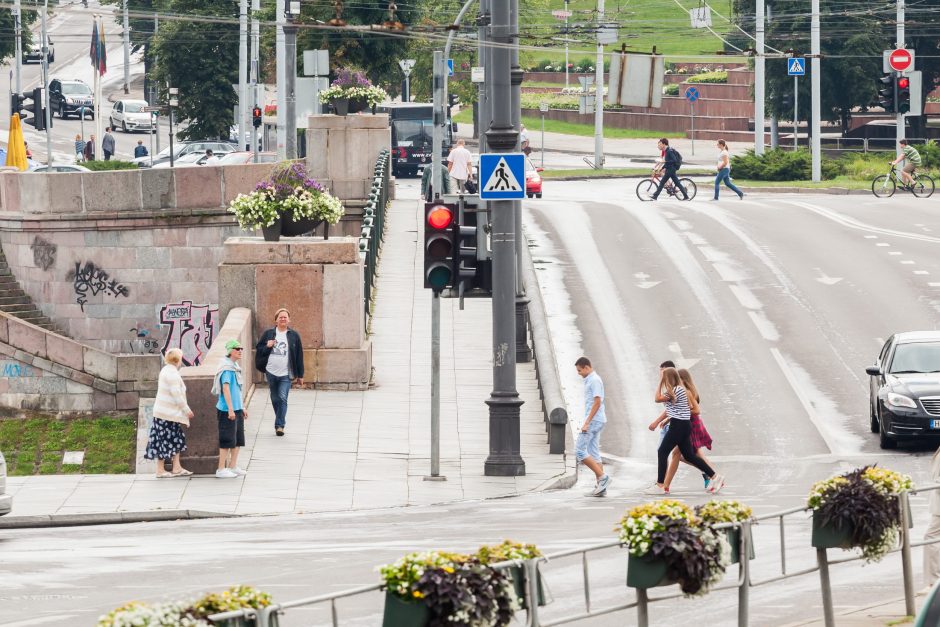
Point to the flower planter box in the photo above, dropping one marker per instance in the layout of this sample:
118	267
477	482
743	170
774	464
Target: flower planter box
647	572
518	583
245	622
826	536
289	228
734	539
401	613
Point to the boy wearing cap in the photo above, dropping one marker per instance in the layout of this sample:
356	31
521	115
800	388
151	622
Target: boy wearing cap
227	386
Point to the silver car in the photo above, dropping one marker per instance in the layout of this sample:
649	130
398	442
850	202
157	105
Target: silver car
129	115
6	500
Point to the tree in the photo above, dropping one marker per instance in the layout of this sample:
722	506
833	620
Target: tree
142	29
200	58
8	26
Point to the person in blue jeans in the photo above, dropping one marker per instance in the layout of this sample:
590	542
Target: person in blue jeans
724	170
280	356
588	446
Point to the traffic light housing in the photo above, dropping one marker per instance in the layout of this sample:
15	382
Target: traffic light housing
256	117
887	93
910	94
903	94
440	220
29	102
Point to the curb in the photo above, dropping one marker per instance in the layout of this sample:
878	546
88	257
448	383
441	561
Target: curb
110	518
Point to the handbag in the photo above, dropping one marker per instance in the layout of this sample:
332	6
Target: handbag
470	186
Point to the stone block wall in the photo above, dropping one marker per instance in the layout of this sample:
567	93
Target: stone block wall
341	151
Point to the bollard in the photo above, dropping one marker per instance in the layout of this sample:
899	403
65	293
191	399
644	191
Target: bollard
904	503
532	591
825	587
744	569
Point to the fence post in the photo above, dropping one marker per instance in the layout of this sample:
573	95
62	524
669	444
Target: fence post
532	591
904	503
642	608
744	564
825	587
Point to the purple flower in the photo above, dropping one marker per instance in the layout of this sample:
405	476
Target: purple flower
350	78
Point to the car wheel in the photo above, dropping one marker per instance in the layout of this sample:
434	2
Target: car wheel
884	440
872	419
538	195
62	114
530	195
124	126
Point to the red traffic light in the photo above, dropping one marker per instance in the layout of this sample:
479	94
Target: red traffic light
904	83
440	217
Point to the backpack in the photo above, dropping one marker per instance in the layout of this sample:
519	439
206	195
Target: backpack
677	157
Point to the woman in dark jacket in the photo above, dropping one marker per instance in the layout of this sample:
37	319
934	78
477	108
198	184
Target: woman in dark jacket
280	356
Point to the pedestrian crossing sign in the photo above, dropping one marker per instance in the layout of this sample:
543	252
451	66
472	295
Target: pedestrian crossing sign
796	67
502	176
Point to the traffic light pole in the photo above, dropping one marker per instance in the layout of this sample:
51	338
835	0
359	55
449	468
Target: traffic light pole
815	102
18	33
437	136
759	82
43	105
435	388
504	458
900	44
523	352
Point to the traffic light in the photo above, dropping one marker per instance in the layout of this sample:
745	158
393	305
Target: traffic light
30	102
439	245
887	94
916	93
465	264
903	95
256	117
452	100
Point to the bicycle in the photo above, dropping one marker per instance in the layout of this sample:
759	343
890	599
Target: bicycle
885	185
647	187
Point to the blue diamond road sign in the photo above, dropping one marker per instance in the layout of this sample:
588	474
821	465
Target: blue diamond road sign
796	67
691	94
502	176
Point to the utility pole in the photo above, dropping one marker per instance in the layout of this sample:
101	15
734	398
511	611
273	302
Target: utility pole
599	94
127	51
483	111
900	44
815	103
18	30
516	75
566	44
504	458
242	73
437	136
279	46
156	29
290	95
759	82
45	111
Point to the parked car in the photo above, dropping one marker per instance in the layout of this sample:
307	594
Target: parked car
904	389
6	500
188	160
245	156
68	97
61	168
533	180
218	148
34	52
129	115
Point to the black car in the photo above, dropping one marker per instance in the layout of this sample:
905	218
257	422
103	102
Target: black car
68	97
904	397
34	53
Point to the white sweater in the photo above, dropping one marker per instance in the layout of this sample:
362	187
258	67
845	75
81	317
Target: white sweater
171	402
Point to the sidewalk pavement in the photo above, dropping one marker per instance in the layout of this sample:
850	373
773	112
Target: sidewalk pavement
876	615
352	450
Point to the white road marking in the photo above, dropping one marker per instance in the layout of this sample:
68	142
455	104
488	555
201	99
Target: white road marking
727	273
933	284
921	272
862	226
825	279
882	244
765	327
645	285
908	262
895	252
745	297
871	237
695	238
680	360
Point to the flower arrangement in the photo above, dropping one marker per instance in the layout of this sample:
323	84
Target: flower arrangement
716	512
182	614
353	85
288	190
458	589
507	551
695	554
863	501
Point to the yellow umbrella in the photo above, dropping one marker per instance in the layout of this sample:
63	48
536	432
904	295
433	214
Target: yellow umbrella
16	148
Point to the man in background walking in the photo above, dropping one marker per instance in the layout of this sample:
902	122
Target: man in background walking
588	446
458	165
107	144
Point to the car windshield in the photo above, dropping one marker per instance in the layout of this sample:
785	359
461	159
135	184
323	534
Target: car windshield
134	107
417	132
916	357
76	89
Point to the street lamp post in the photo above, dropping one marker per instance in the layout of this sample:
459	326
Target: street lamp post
44	106
174	91
543	109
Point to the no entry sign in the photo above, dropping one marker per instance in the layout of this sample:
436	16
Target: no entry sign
901	60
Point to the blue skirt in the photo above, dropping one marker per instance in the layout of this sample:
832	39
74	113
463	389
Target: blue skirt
166	439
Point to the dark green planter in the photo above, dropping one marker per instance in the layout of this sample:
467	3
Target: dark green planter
734	539
272	233
245	622
401	613
518	584
830	536
647	572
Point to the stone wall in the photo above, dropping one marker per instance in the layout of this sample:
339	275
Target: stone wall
341	152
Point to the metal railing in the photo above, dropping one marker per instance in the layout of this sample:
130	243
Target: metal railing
373	227
267	617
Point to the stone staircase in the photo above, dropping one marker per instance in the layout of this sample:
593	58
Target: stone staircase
16	302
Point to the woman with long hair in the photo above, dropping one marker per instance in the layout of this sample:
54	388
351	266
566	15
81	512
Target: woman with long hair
679	409
700	437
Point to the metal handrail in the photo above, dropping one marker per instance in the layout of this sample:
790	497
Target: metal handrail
373	227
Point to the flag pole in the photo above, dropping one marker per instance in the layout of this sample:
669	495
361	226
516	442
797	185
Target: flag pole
98	134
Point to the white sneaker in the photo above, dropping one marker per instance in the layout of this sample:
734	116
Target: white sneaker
602	485
655	490
238	471
224	473
716	484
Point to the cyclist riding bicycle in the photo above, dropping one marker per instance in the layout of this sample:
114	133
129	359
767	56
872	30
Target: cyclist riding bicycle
671	163
912	160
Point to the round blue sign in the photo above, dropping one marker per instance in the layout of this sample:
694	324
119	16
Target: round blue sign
691	94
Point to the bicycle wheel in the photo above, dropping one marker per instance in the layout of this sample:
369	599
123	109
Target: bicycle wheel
690	188
923	187
883	186
645	189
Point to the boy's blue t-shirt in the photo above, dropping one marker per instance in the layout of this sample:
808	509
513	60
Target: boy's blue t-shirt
229	377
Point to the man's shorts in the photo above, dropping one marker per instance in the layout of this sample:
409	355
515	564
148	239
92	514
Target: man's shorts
589	444
909	168
231	432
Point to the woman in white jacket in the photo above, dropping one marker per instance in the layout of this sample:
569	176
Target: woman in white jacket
170	413
932	551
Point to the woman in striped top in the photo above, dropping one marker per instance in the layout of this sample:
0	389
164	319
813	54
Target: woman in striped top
679	409
170	413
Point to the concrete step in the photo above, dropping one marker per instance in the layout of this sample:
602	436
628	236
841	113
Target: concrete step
8	280
18	307
13	300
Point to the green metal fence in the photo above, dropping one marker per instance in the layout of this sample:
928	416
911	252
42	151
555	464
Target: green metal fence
373	226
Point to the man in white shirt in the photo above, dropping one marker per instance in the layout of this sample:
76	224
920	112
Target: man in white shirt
458	165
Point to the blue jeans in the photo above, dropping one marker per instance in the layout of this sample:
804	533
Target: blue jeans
589	444
724	174
280	388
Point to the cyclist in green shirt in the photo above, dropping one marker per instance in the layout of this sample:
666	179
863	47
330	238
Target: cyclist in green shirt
910	155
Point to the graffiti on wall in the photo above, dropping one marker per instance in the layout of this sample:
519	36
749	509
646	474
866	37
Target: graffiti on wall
191	328
44	253
91	280
15	370
143	341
